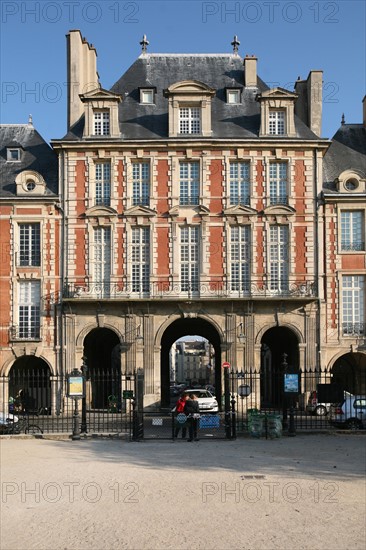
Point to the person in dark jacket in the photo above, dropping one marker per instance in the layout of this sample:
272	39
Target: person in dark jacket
192	411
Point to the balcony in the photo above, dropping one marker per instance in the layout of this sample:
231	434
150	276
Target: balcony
24	333
353	329
223	288
277	200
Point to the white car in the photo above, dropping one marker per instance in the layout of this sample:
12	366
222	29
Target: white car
206	401
351	413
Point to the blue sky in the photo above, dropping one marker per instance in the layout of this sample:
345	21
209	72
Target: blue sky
289	39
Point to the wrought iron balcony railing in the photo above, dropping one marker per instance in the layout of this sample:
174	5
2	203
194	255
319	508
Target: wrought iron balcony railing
291	288
353	329
19	332
356	246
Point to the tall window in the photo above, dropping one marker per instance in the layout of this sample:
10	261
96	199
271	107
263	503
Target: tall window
189	120
353	304
352	230
240	258
103	183
29	244
278	193
140	256
240	183
102	260
29	309
189	258
277	123
278	258
189	183
140	183
101	123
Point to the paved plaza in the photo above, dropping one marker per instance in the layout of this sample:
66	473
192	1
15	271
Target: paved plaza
306	492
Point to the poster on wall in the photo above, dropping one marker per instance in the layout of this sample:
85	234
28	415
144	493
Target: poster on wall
291	383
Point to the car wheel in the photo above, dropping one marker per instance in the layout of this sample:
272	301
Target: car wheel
320	411
354	424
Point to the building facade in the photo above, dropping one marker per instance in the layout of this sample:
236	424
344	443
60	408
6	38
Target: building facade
30	277
194	200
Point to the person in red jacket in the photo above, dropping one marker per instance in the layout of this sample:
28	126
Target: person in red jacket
179	408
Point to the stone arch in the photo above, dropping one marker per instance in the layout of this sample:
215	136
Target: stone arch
11	361
182	326
174	317
92	326
290	326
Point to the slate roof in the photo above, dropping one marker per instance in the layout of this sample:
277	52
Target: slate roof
346	152
160	71
35	155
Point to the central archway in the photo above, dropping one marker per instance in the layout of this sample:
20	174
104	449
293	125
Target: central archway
187	327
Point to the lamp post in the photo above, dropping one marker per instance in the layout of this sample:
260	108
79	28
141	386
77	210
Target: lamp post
84	370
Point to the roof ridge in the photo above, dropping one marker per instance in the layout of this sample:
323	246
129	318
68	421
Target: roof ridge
143	55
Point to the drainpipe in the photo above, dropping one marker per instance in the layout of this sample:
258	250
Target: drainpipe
318	204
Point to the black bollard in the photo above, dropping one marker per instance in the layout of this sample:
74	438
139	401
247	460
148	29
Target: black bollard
291	427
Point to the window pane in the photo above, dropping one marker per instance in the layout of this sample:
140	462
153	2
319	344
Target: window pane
278	183
141	183
352	230
189	183
240	183
29	244
29	309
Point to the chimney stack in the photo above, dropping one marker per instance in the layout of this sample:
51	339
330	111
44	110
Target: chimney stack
250	71
82	75
364	111
308	106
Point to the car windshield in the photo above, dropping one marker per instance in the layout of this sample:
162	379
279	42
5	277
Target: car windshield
200	393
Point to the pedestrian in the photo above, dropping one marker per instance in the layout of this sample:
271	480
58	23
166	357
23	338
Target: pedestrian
179	409
192	411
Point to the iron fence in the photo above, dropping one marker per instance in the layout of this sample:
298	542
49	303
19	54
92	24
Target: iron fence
113	403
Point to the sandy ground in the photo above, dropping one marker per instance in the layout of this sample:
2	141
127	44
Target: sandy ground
306	492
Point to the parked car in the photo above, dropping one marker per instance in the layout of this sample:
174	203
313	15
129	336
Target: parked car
313	407
7	421
351	413
206	401
319	409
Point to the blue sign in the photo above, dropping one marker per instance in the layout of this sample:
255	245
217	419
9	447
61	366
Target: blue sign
209	421
291	383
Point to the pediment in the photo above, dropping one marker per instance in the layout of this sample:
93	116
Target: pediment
240	210
180	210
190	87
100	211
279	210
277	93
139	210
100	94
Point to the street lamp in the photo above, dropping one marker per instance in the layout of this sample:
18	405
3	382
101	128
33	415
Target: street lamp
84	370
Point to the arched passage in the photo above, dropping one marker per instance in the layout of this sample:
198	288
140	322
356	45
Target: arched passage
349	373
187	327
276	342
102	353
30	384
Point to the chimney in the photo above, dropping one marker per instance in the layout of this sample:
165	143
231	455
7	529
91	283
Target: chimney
308	106
250	71
364	111
315	101
82	73
301	105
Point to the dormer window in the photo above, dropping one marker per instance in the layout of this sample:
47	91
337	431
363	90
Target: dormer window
351	185
147	96
232	97
101	113
30	185
277	113
189	120
13	154
276	122
101	123
189	108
